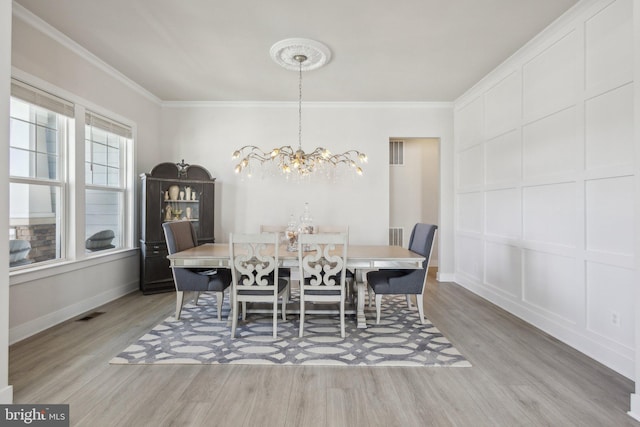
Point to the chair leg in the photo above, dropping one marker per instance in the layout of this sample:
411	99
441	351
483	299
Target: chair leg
301	312
219	299
195	298
285	301
275	319
408	296
342	334
244	310
370	293
352	291
378	307
420	304
179	300
234	318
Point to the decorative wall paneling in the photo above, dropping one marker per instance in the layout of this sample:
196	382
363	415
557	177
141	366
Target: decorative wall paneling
545	196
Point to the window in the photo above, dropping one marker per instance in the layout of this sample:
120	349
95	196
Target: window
105	165
39	125
42	140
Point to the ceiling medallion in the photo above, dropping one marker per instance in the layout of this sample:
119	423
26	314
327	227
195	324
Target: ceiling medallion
285	51
298	55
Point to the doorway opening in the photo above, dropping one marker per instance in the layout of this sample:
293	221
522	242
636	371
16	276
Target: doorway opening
414	188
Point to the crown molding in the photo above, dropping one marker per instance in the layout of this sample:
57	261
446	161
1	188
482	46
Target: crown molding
306	104
28	17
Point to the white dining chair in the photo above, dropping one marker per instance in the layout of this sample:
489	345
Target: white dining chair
323	267
255	275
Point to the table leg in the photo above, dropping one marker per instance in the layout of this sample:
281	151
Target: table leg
361	319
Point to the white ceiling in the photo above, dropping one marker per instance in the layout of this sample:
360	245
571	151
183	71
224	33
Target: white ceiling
213	50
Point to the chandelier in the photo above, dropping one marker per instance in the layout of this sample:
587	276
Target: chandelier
298	55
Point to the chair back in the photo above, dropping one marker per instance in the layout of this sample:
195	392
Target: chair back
323	264
421	240
333	229
254	262
180	236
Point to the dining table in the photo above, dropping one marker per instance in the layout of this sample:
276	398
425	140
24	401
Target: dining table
360	258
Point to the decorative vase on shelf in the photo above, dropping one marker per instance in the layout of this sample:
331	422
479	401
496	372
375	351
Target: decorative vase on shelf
188	211
182	195
174	190
187	192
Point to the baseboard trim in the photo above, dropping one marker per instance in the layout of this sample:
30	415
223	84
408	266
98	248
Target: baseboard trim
445	277
32	327
613	358
6	395
634	412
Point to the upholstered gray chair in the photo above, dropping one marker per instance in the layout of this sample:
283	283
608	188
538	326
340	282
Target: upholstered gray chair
323	268
255	273
180	236
406	282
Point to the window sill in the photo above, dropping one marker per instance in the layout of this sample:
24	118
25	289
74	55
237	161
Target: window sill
66	266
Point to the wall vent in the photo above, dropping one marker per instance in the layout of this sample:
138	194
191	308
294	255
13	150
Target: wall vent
396	152
396	236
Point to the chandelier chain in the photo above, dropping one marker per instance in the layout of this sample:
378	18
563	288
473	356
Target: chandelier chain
300	105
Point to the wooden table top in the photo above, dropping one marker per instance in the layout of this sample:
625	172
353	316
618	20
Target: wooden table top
357	256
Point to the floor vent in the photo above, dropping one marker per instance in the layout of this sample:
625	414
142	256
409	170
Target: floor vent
90	316
396	236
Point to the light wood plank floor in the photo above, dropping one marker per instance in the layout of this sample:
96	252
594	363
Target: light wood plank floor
520	377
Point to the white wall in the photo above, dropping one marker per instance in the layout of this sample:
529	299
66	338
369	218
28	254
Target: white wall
545	212
6	392
414	187
635	397
208	134
42	298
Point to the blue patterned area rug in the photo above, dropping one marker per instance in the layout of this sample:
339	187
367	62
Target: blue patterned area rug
199	338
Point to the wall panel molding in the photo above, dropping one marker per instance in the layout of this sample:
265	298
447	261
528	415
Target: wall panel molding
546	143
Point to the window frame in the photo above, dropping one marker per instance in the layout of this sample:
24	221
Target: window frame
126	141
73	255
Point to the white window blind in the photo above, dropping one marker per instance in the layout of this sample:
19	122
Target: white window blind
108	125
41	98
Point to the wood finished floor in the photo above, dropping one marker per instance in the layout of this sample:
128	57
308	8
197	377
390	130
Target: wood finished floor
520	377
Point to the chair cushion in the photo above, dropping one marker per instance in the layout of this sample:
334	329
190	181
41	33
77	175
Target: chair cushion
100	240
189	280
282	283
327	291
220	281
322	289
284	272
18	251
381	283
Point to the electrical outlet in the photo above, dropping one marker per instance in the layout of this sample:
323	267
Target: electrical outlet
615	318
